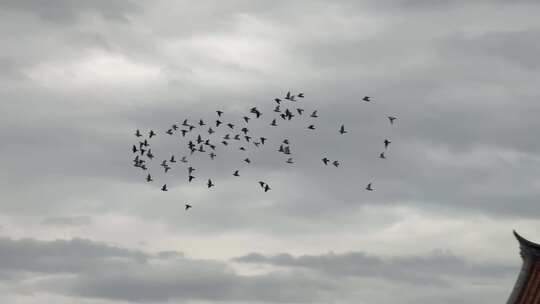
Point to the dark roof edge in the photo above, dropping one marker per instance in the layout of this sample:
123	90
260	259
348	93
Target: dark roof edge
526	243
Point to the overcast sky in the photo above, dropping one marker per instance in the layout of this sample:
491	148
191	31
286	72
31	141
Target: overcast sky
79	224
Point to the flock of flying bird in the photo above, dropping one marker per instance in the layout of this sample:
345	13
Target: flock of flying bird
204	140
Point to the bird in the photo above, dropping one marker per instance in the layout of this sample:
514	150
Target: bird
230	125
210	131
382	155
266	188
138	133
290	161
188	206
236	173
247	160
164	187
149	178
273	123
311	127
392	118
386	143
164	163
335	163
301	95
369	188
225	142
276	109
286	141
247	138
170	132
227	137
175	127
134	149
152	133
300	111
314	114
185	123
237	137
184	159
287	150
167	168
246	119
325	161
209	183
277	100
245	130
172	160
190	178
263	139
219	113
288	96
218	122
201	122
366	99
191	169
183	132
342	130
242	148
149	154
212	155
262	184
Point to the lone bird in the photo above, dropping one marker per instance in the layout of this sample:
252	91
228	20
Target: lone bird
366	99
209	183
164	187
311	127
314	114
152	133
392	118
219	113
188	206
190	178
386	143
236	173
201	122
369	188
325	161
342	130
301	95
247	160
266	187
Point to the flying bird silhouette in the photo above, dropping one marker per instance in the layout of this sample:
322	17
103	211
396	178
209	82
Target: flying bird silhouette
149	178
188	206
369	188
392	118
342	130
386	143
164	187
209	183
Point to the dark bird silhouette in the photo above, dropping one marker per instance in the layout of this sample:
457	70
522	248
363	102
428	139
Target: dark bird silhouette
191	127
342	130
289	161
314	114
175	127
301	95
212	155
227	137
237	137
300	111
201	149
273	123
335	163
256	144
149	154
172	160
225	142
142	151
164	163
382	155
218	122
191	169
184	159
209	183
201	123
246	119
255	111
183	132
170	132
167	168
242	148
247	138
185	123
145	143
325	161
149	178
188	206
277	110
190	178
392	118
287	150
369	188
247	160
366	98
386	143
263	139
152	133
281	149
288	96
199	139
266	187
134	149
219	113
138	133
245	130
262	184
311	127
286	141
164	187
230	125
236	173
277	100
210	131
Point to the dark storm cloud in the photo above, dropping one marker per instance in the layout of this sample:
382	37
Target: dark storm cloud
434	268
65	11
83	268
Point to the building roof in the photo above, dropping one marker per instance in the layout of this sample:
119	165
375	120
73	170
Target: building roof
527	287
